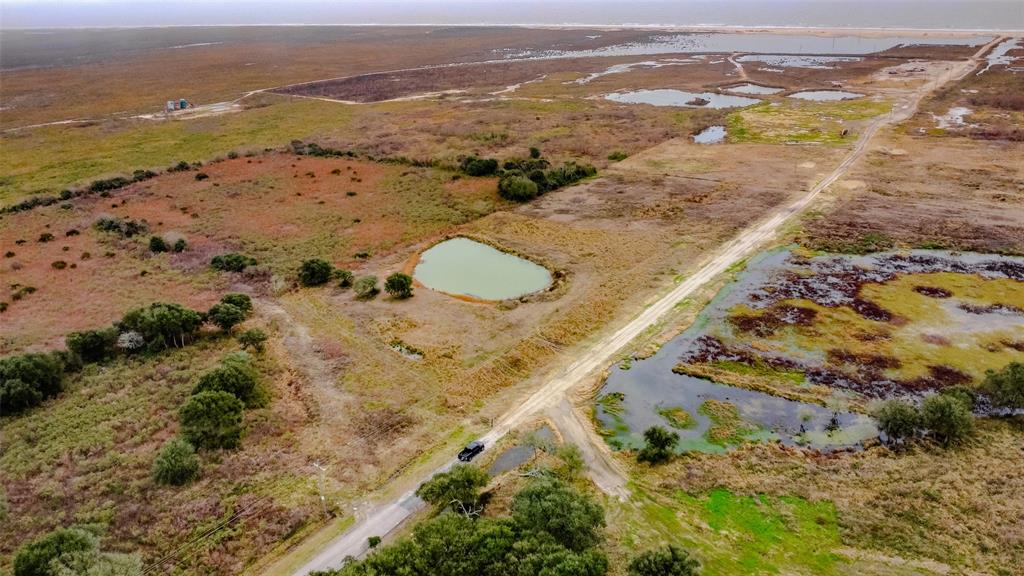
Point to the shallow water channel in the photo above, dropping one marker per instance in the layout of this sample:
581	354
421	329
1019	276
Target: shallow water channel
710	135
666	97
825	95
465	267
749	88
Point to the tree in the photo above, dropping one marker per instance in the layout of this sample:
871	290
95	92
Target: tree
92	345
1006	387
517	188
226	316
572	518
458	487
253	338
162	325
28	379
314	272
176	464
157	244
16	396
399	285
948	420
232	262
365	287
660	444
344	278
240	301
37	557
474	166
665	561
212	420
237	376
898	420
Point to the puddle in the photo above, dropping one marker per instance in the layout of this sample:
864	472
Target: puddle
519	454
622	68
666	97
461	266
406	351
998	56
719	43
790	61
952	119
650	394
749	88
710	135
825	95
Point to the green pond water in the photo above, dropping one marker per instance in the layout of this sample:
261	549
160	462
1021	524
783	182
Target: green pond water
464	267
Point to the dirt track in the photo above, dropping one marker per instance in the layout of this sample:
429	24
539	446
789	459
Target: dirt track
552	395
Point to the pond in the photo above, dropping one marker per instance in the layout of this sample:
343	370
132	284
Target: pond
710	135
666	97
825	95
790	61
464	267
749	88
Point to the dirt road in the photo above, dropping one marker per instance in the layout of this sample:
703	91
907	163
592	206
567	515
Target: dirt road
551	397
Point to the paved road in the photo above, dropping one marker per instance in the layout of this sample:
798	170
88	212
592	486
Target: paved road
382	520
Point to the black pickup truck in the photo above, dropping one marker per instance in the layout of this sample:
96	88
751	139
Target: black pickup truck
471	450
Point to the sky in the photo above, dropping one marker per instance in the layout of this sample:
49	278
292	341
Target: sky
929	14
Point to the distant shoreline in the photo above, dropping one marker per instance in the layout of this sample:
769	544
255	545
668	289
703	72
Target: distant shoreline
697	28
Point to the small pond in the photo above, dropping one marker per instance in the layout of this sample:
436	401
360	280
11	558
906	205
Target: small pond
749	88
825	95
791	61
464	267
710	135
515	456
666	97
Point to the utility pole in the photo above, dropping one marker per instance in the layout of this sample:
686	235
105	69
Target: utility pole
320	485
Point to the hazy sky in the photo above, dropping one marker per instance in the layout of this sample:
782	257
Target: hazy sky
966	14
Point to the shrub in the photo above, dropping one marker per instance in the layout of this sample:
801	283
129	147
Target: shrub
365	287
399	285
37	557
181	166
898	420
237	376
948	420
1006	387
46	237
962	393
373	541
92	345
226	316
157	244
212	420
534	152
474	166
130	341
176	464
618	156
240	301
253	338
28	379
660	444
17	396
231	262
180	245
665	561
202	176
162	325
517	188
458	487
59	264
344	278
124	228
314	272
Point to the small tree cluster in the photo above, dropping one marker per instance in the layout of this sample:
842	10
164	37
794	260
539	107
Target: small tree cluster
944	417
212	416
121	227
29	379
72	551
525	179
474	166
236	375
665	561
162	325
660	445
232	262
1006	387
253	338
458	488
233	309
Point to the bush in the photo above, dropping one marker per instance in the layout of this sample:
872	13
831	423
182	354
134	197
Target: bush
399	285
517	188
458	487
949	421
226	316
1006	387
59	264
665	561
962	393
202	176
237	376
474	166
231	262
28	379
46	237
365	287
314	272
37	557
241	301
162	325
344	278
618	156
176	464
92	345
534	152
157	244
660	444
898	420
253	338
212	420
124	228
180	245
